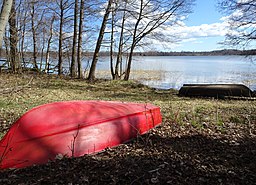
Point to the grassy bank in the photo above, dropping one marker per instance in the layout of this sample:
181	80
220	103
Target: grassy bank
199	141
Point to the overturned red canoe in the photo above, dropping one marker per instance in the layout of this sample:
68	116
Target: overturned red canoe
73	128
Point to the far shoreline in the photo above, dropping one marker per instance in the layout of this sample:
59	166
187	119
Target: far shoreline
223	52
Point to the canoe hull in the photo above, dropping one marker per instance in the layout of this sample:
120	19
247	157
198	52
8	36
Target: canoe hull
74	129
215	90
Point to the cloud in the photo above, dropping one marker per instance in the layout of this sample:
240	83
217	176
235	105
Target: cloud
243	1
204	30
183	34
172	36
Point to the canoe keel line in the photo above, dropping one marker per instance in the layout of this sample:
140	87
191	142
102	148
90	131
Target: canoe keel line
73	129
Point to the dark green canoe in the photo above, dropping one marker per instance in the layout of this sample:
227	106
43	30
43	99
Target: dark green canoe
215	90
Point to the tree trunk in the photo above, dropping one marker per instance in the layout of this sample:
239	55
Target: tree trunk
112	44
80	41
5	11
129	65
34	36
22	29
14	58
7	48
120	50
43	41
91	76
60	53
47	64
128	69
73	59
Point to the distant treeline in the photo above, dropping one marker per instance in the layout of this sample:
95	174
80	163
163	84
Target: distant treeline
200	53
171	53
186	53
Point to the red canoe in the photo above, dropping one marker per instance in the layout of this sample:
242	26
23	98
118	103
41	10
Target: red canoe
72	129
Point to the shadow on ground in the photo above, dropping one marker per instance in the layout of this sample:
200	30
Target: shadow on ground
152	159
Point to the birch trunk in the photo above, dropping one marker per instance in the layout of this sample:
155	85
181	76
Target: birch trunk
5	11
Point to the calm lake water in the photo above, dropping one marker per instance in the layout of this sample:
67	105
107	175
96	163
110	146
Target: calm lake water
173	71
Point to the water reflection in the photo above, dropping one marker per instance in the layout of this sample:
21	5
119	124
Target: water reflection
173	71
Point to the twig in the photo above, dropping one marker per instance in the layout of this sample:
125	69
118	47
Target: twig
249	124
15	89
72	148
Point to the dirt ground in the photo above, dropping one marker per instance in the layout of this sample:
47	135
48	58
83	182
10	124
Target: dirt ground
167	155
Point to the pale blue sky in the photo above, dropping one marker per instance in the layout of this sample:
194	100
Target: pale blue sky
207	19
205	12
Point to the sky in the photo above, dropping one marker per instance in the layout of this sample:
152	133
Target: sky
202	30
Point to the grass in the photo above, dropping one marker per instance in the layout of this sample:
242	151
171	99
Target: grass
200	113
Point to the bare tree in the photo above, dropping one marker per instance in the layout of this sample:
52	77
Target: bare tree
92	71
116	69
49	41
5	11
60	53
34	32
47	25
73	59
80	40
150	15
136	20
22	21
35	24
14	58
113	13
61	8
241	18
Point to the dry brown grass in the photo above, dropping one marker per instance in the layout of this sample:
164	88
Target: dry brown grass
45	89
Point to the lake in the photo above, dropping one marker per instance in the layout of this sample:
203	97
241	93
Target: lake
166	72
